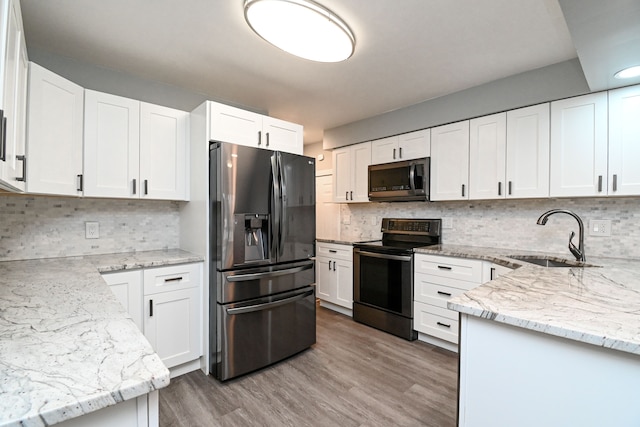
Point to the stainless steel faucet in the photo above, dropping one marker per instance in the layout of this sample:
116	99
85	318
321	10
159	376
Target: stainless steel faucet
579	251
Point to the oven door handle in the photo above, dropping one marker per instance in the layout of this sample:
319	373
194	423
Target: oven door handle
383	256
268	274
268	305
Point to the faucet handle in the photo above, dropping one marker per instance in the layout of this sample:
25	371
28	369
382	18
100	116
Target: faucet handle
575	251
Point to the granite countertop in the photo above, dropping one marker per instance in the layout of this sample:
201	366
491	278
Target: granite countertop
345	241
67	346
598	304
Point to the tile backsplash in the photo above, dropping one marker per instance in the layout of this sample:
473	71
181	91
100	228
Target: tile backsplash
511	223
45	227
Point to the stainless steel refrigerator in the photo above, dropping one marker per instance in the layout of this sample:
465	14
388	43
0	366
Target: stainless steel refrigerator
262	302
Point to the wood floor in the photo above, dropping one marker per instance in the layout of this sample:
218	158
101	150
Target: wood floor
353	376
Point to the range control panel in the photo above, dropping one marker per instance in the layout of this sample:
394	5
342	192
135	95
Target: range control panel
429	227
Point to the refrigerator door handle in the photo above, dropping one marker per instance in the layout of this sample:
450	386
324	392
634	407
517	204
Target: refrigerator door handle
268	274
269	305
283	206
275	212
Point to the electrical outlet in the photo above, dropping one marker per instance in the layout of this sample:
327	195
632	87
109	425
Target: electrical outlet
91	230
600	227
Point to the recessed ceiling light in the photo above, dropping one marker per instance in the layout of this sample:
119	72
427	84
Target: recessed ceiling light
628	73
302	28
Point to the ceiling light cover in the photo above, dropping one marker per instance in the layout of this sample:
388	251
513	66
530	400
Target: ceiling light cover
302	28
628	73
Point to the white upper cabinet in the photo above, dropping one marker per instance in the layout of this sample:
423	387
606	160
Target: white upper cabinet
487	156
237	126
414	145
579	146
408	146
351	173
133	149
527	171
54	149
163	152
450	161
111	146
13	75
384	150
624	141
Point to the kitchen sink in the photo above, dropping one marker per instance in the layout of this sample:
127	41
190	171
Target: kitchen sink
548	262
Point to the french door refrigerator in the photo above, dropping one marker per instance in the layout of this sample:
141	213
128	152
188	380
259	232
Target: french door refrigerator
262	302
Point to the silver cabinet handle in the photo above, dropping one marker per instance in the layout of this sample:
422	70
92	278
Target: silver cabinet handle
599	183
259	138
23	158
268	305
615	182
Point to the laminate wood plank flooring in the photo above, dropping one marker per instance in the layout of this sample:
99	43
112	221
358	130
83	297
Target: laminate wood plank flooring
353	376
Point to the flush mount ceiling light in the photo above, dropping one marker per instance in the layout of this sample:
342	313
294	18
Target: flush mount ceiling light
628	73
302	28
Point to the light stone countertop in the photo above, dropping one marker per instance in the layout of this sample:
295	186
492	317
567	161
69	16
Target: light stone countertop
349	242
67	346
594	305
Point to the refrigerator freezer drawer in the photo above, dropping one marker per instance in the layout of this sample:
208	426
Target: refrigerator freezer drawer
259	332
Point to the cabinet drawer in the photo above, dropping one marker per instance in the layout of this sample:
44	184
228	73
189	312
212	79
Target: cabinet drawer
435	321
334	251
175	277
437	291
454	268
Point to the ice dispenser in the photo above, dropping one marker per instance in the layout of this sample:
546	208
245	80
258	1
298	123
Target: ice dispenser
253	244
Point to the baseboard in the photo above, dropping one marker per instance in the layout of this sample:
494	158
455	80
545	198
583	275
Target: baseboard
438	342
338	308
185	368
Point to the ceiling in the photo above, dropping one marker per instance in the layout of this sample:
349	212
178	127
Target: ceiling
406	52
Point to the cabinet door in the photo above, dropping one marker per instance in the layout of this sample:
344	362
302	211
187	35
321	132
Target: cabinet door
624	141
528	152
344	283
55	140
282	136
361	158
172	325
163	149
111	146
342	177
414	145
384	150
487	156
327	212
230	124
127	287
450	161
326	279
579	146
12	91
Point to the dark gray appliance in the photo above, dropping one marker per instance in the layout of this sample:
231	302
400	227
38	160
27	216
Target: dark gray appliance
383	274
262	302
400	181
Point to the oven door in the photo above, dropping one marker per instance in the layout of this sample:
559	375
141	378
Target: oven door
384	280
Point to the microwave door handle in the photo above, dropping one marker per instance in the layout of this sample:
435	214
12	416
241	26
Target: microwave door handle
412	177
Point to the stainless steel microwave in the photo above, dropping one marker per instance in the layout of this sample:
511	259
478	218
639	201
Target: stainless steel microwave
400	181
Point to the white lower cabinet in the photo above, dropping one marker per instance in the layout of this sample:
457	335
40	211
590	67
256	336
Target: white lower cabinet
436	280
166	300
334	276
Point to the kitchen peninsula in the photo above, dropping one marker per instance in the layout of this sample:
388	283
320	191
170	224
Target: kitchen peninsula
69	349
549	346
